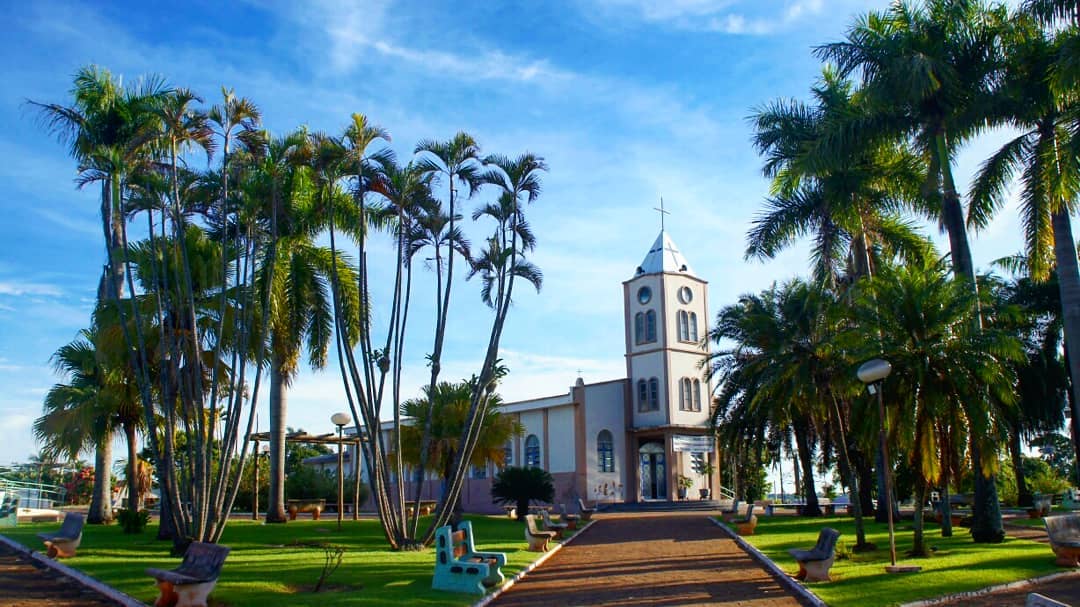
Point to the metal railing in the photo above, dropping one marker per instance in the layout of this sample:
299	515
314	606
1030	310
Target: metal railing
34	495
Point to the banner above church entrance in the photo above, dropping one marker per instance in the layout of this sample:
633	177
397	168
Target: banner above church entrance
692	444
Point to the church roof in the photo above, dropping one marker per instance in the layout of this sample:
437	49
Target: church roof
664	256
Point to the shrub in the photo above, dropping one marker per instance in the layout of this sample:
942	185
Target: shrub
518	486
133	521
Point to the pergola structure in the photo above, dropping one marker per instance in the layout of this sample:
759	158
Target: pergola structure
312	439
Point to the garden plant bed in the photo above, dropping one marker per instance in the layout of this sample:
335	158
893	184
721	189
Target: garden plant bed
271	566
957	564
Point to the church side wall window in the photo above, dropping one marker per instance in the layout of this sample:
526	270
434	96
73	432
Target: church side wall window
650	326
693	327
642	395
697	395
684	325
639	328
479	471
605	451
508	454
654	394
532	451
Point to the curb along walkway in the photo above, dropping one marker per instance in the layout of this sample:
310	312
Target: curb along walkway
22	584
650	559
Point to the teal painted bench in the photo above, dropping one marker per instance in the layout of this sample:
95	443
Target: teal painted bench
459	567
1070	500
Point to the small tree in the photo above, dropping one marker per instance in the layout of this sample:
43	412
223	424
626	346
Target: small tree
519	485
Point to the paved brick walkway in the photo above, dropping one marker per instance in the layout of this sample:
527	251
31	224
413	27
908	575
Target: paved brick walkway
649	559
22	584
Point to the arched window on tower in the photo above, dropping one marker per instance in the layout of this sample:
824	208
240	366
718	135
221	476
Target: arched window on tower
639	328
684	325
650	326
686	399
654	394
697	395
693	327
532	451
605	451
642	395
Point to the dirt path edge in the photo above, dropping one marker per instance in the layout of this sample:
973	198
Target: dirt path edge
74	574
801	591
521	574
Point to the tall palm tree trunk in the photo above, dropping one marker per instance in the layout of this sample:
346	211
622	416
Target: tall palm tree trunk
806	461
132	468
101	500
986	523
1024	497
1069	287
275	508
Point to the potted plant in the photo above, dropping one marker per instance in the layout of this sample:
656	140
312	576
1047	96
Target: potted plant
705	469
684	482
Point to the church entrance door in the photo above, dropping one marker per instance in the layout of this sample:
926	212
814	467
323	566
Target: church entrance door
653	472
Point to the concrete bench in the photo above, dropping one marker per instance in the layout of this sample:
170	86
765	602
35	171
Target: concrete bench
586	512
189	584
814	564
1034	599
65	542
460	567
538	540
1064	533
550	525
747	525
314	506
571	520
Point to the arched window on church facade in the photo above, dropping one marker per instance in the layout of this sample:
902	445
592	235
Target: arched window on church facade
605	451
686	399
654	394
642	395
639	328
697	395
508	454
684	325
693	327
650	326
532	451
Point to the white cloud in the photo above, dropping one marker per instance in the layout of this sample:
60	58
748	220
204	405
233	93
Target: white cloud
20	288
722	16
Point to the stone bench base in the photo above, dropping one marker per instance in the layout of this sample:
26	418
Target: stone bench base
815	571
62	548
185	595
1067	556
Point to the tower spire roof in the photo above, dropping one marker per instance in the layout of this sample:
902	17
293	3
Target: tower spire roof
664	256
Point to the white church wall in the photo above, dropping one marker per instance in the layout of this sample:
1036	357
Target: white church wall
533	422
605	410
560	439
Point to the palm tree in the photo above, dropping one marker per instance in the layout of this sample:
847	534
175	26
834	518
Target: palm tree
109	130
943	366
926	69
847	202
769	385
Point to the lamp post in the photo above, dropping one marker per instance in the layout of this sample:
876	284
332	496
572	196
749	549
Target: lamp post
872	373
339	420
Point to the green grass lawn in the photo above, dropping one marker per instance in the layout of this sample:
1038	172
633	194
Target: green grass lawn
957	564
267	567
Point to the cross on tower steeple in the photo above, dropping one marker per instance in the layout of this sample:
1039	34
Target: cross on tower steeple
662	213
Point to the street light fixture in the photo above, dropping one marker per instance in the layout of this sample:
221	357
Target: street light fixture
873	373
339	420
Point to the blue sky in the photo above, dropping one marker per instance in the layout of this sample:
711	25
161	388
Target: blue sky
628	100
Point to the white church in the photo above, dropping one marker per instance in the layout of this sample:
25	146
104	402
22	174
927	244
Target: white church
628	439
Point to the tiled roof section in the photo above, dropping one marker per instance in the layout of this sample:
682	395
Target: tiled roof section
664	256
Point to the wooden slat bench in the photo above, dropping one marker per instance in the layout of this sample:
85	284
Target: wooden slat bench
814	564
460	567
1064	533
65	542
189	584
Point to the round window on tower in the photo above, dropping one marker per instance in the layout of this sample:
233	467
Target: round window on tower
686	295
644	294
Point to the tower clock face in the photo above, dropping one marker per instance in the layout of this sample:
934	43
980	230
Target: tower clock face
644	295
686	295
